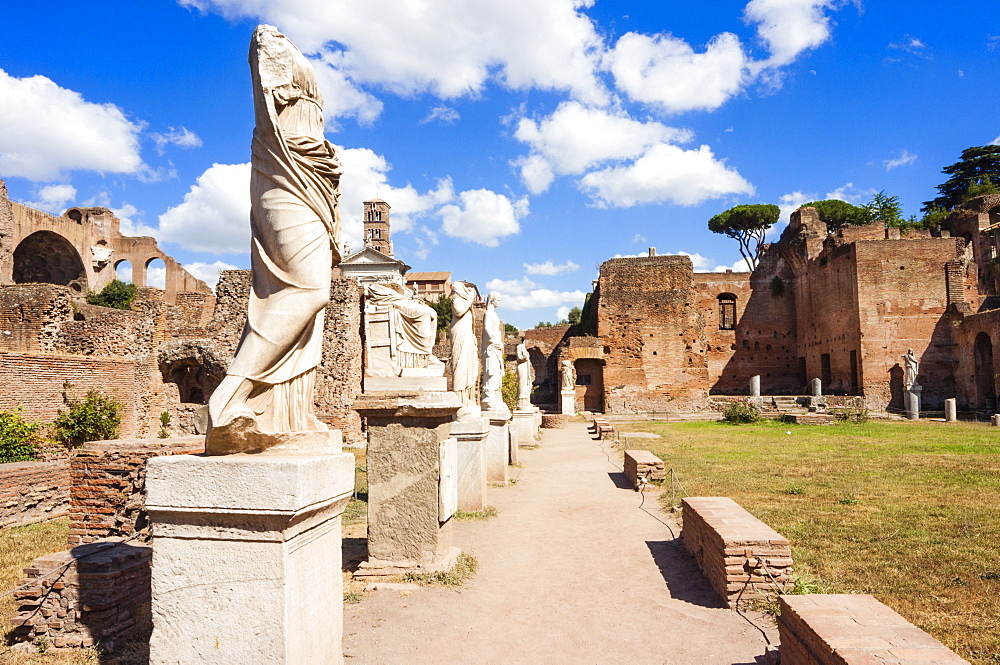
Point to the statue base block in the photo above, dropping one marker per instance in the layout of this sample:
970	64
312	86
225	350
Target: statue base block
525	426
471	438
373	568
568	402
400	384
497	445
246	558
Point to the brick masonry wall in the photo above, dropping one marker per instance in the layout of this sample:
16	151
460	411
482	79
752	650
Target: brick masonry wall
108	486
741	557
853	629
33	491
101	597
977	367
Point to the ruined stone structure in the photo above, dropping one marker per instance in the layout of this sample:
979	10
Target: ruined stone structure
840	306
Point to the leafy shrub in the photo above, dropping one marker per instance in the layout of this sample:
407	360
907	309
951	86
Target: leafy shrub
17	437
852	414
741	412
508	390
96	417
117	294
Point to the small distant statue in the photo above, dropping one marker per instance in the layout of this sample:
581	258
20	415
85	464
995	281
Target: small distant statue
464	350
524	377
910	368
294	228
412	331
492	353
568	375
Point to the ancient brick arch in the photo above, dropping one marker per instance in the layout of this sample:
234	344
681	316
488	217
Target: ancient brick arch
46	257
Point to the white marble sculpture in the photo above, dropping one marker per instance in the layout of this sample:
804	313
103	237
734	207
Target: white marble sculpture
524	377
492	353
411	332
568	375
295	225
464	350
910	367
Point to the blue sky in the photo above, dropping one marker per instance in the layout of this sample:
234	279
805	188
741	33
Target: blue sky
520	143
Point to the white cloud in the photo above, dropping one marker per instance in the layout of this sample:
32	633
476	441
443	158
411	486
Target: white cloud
910	44
789	27
739	266
638	237
905	159
789	203
156	274
995	141
484	217
666	174
215	214
46	130
366	177
575	138
123	272
129	226
562	313
208	272
182	138
550	269
846	192
443	114
522	294
342	97
699	262
520	43
53	198
666	71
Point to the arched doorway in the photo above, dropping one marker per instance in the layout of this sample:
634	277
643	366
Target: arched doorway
985	382
47	258
156	273
123	271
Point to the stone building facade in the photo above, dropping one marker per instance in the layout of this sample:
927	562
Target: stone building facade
842	306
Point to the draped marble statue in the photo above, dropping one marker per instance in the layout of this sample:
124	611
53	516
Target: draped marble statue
295	226
910	367
568	375
524	377
464	350
410	330
492	353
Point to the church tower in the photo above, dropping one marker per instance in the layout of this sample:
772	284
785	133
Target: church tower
377	226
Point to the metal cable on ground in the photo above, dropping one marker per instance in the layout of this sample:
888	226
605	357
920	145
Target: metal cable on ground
736	606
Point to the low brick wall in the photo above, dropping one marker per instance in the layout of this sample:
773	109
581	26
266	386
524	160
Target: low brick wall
642	463
33	491
853	629
741	557
102	596
108	486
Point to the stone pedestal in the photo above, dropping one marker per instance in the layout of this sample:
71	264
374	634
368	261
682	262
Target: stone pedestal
246	558
567	402
412	482
513	448
913	402
995	420
497	445
816	388
950	410
755	391
524	426
471	437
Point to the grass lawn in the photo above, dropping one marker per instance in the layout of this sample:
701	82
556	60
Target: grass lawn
908	512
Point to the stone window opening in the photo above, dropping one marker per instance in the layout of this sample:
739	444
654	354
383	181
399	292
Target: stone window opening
584	380
727	311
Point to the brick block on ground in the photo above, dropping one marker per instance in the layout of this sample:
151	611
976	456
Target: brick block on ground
853	629
554	421
741	557
99	596
643	464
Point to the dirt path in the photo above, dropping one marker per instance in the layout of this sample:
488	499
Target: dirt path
570	572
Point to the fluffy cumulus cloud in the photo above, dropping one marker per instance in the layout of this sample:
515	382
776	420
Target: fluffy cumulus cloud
740	266
789	203
550	269
789	27
214	216
548	44
208	272
576	137
665	174
666	72
53	198
342	96
46	131
483	217
182	138
905	158
522	294
700	263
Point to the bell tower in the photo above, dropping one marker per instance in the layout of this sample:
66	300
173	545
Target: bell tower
377	226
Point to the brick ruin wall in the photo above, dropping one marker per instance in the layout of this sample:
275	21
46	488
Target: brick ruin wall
654	336
33	492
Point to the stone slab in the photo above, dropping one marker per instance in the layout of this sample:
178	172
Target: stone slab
471	452
497	448
405	383
567	402
524	427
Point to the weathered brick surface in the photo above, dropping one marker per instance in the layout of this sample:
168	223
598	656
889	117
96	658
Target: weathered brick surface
853	629
643	464
108	486
99	596
741	557
33	491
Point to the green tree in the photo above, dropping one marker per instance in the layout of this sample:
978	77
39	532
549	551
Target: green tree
573	317
508	329
18	437
96	417
836	213
117	294
443	309
975	174
886	209
746	224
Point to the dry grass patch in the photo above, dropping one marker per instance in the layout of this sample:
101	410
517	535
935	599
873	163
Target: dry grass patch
904	511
